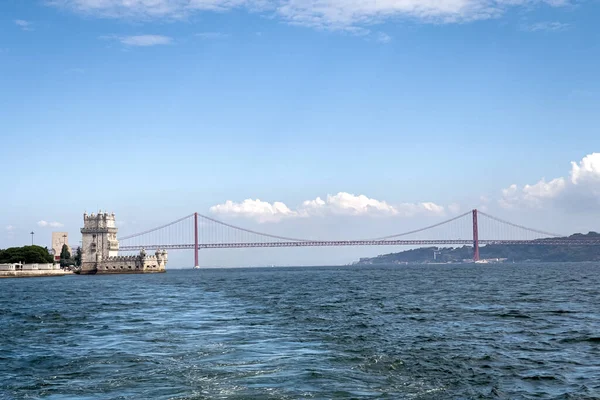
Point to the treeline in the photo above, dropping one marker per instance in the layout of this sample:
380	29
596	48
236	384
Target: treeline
26	254
544	253
38	255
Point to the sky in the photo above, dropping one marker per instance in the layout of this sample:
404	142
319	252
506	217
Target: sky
313	118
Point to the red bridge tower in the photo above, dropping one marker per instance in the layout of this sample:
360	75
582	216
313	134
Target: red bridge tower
475	237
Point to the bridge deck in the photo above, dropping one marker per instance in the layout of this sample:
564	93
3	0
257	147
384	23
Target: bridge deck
346	243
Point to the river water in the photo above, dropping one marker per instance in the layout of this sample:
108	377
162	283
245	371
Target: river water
405	332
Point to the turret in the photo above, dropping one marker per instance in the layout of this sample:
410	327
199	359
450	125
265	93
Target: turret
99	239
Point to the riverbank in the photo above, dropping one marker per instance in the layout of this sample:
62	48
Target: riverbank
34	273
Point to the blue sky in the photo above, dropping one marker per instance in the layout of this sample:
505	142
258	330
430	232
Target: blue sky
156	109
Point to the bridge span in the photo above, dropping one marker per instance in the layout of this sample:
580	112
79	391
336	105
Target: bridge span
475	228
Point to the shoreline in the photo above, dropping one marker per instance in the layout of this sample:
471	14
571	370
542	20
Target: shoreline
34	273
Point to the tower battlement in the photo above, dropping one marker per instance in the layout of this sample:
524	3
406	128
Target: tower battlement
100	220
100	249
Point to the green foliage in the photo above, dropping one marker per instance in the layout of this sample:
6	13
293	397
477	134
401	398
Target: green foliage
78	257
26	254
64	253
65	257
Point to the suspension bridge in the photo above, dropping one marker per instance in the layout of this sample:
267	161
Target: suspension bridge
197	231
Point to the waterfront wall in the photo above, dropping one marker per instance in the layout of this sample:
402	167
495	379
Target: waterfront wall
33	273
133	264
29	267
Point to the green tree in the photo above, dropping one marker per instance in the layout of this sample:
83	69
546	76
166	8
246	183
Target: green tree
26	254
78	257
64	253
65	256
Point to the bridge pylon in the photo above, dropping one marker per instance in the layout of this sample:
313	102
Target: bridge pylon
196	240
475	237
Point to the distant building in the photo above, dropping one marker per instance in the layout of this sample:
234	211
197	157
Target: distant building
58	240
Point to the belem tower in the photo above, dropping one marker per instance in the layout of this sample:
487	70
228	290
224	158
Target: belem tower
100	250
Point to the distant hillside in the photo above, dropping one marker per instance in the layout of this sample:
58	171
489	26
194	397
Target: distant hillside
548	253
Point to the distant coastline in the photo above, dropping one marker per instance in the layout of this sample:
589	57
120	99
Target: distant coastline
493	253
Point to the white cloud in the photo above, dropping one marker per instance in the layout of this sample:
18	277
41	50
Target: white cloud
414	209
328	14
382	37
549	26
10	228
348	204
45	224
24	25
145	40
581	189
588	170
212	35
256	209
483	203
544	190
140	40
454	208
340	204
510	197
151	9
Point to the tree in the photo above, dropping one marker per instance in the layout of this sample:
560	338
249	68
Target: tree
78	257
26	254
65	256
64	253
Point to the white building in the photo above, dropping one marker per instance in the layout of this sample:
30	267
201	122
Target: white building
28	267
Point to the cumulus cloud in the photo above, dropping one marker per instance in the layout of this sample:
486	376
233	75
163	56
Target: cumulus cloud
581	188
328	14
340	204
141	40
262	211
348	204
587	171
45	224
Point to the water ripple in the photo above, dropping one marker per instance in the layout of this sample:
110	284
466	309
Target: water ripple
410	332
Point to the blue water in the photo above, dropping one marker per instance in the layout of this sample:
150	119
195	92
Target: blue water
405	332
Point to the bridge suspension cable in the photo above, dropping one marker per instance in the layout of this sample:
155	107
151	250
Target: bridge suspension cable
251	231
519	226
156	229
422	229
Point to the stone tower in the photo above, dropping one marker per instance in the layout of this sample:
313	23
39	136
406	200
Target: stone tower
99	240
